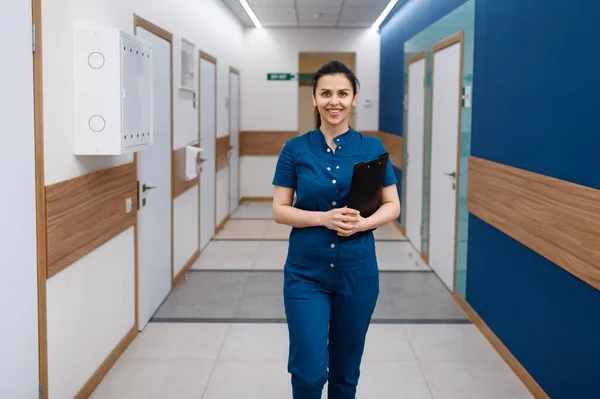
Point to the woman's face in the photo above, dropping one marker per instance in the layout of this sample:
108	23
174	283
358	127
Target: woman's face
334	98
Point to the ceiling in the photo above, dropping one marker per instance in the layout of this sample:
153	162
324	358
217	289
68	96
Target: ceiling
310	13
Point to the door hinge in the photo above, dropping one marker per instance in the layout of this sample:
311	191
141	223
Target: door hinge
33	37
41	391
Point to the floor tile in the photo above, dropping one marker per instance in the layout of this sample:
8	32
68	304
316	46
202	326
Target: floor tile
206	294
277	232
387	343
385	309
399	255
249	379
263	297
388	232
244	229
155	379
178	341
256	342
397	380
228	255
271	255
473	380
450	343
254	210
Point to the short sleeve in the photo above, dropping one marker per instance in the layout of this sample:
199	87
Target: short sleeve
390	175
285	172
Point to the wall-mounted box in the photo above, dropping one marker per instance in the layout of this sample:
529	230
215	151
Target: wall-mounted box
112	92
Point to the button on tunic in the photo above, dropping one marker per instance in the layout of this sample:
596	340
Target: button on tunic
322	179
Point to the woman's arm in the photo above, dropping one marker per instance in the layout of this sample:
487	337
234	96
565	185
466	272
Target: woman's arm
389	210
340	220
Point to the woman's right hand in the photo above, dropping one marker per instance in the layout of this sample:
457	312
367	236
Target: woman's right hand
340	219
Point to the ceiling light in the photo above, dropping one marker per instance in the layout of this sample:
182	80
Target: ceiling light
384	14
250	13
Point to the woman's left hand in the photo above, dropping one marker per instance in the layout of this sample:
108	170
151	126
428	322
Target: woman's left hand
357	228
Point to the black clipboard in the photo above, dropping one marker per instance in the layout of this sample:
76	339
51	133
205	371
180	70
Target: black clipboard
366	189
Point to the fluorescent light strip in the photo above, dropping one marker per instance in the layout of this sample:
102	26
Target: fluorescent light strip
383	15
250	13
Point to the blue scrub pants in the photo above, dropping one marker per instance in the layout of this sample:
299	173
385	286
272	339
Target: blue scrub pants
328	314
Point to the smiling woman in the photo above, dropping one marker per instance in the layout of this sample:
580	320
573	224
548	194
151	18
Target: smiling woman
331	283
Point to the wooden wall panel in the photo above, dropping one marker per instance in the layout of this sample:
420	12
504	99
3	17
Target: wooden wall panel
557	219
180	186
222	150
264	143
393	144
87	211
271	142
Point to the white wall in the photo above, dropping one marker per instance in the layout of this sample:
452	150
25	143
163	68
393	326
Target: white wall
272	105
222	195
186	217
18	267
211	27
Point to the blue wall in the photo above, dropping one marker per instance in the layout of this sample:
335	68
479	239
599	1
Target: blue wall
535	106
536	102
401	25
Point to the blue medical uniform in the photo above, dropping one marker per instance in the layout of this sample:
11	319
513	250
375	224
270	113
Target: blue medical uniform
330	286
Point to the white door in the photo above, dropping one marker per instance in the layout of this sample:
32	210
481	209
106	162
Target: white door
154	175
19	375
444	153
208	131
414	151
234	134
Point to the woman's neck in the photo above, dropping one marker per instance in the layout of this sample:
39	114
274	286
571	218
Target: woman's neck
332	131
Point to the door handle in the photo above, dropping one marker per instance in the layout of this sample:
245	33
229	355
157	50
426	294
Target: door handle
453	174
146	188
202	160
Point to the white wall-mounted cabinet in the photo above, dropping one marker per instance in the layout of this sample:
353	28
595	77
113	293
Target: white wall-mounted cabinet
112	84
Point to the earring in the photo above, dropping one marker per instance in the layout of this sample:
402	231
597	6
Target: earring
354	110
315	110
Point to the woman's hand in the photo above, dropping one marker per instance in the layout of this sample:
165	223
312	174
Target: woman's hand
359	226
342	220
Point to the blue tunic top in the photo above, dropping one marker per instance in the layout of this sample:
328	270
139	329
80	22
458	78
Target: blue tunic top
322	178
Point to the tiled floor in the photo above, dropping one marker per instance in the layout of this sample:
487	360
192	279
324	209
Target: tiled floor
221	333
256	296
248	361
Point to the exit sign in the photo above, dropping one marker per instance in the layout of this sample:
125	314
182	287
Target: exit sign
282	76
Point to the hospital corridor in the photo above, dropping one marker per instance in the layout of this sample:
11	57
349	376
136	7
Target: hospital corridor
299	199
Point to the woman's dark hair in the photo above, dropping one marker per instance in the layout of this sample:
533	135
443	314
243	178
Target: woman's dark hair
332	68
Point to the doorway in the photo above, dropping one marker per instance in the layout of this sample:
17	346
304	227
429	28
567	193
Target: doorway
445	138
417	67
154	166
308	65
207	79
234	140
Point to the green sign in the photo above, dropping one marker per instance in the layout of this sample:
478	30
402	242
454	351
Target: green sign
282	76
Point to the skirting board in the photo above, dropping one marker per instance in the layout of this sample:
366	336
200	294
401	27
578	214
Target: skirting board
105	367
502	350
186	268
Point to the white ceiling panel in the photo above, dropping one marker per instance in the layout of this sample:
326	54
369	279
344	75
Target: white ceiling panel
268	12
270	3
326	3
311	13
359	13
379	4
